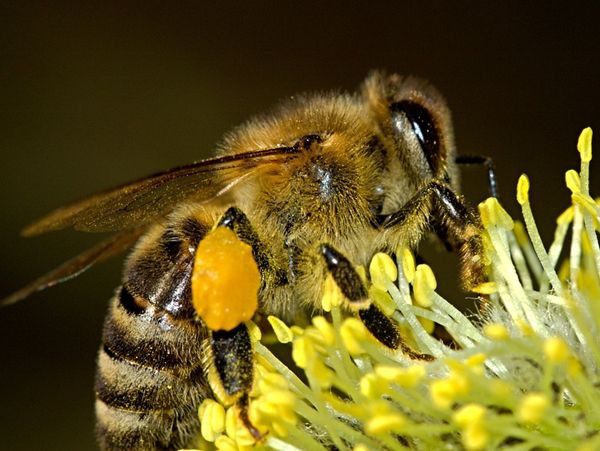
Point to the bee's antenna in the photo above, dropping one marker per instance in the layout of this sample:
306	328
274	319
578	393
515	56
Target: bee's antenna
481	160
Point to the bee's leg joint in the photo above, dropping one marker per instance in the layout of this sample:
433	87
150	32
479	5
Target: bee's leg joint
344	274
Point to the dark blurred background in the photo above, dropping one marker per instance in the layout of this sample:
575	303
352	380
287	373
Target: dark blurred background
96	95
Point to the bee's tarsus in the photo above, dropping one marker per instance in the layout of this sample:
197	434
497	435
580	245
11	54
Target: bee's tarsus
380	326
385	331
461	227
243	403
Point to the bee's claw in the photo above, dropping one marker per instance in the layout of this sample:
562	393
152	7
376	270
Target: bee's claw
243	405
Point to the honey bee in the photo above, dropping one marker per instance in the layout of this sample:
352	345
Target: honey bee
314	188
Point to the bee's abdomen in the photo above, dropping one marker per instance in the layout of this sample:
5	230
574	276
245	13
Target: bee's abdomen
149	382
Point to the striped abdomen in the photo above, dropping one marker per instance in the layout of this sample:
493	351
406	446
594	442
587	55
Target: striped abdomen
150	379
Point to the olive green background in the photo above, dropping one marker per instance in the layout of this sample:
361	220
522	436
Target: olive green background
96	95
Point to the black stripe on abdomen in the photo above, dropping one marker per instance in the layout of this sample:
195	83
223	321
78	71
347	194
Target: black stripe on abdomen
148	338
128	386
129	303
143	431
147	384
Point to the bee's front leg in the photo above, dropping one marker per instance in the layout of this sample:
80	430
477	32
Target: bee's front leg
353	289
456	224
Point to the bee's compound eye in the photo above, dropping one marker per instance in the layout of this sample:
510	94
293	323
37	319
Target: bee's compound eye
423	126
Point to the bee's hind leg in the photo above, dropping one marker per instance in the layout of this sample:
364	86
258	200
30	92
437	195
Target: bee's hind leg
231	370
229	352
381	327
238	222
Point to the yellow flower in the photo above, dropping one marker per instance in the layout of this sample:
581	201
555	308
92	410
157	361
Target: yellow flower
303	351
584	145
385	423
523	189
556	350
445	391
424	285
353	332
404	377
383	270
533	407
212	419
468	415
408	264
493	371
282	331
475	437
496	331
332	295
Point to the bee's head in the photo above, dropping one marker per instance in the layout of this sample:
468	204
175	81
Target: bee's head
415	125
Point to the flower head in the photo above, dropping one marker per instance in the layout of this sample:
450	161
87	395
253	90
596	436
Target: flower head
524	369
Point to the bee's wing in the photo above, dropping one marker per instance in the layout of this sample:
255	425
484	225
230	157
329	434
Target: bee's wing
140	202
132	207
72	268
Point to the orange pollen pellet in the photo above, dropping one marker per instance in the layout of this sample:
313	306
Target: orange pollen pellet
225	280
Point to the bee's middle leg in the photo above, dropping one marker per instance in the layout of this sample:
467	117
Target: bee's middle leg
347	279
